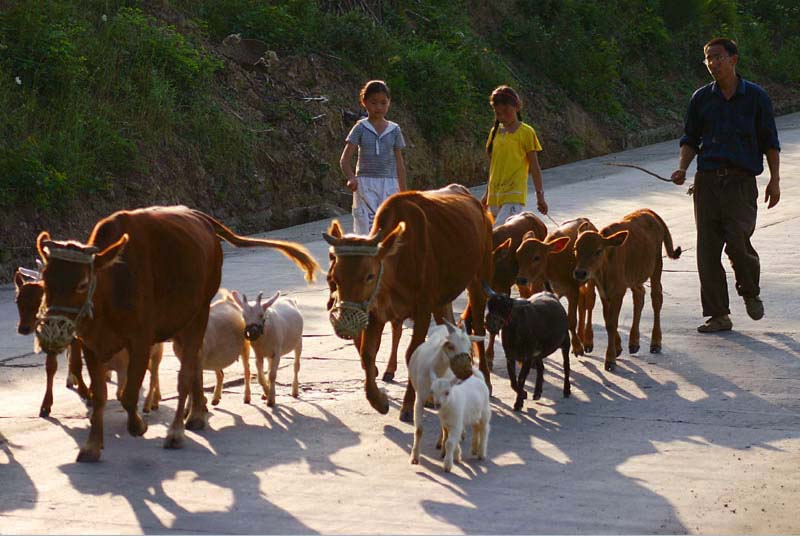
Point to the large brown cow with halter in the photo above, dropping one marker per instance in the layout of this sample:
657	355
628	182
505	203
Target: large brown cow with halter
424	250
144	276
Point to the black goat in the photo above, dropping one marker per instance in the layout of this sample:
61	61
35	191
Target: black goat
532	329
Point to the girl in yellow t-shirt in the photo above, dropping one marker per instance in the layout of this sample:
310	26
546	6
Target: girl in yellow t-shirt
512	149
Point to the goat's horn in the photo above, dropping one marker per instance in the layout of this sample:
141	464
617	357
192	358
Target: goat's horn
258	299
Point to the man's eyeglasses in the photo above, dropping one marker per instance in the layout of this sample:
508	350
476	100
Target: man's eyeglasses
715	58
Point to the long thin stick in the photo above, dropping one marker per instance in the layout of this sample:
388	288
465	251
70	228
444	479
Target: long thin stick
618	164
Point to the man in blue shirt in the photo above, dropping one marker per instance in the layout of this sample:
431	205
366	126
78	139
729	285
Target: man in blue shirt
730	126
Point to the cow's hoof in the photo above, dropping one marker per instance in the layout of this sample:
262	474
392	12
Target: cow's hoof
537	396
196	423
44	412
136	426
270	403
264	397
247	400
87	455
633	348
215	402
588	348
414	461
518	406
619	352
567	392
407	415
610	367
655	349
174	440
380	403
388	376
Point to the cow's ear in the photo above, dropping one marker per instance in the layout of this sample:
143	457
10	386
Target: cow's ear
502	251
19	280
583	227
528	235
558	245
335	229
616	239
111	254
389	245
43	236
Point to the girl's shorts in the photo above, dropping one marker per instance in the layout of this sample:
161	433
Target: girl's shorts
503	212
366	200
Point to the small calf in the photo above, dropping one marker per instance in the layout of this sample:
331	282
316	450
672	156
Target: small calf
274	328
461	405
532	329
431	361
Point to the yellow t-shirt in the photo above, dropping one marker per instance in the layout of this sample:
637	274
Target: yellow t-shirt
508	170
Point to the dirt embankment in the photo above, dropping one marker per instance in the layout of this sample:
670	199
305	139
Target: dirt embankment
299	110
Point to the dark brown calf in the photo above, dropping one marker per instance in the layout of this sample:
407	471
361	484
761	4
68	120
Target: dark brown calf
624	255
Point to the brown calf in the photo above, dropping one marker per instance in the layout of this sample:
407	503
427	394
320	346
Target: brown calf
624	255
144	276
552	260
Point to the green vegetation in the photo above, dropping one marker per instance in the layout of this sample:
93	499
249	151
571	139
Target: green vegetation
92	92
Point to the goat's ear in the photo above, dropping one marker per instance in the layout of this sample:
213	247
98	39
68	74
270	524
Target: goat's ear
43	237
391	243
266	304
558	245
447	345
237	298
502	251
616	239
111	254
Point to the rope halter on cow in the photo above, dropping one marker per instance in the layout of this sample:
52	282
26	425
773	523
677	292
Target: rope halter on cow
54	331
350	318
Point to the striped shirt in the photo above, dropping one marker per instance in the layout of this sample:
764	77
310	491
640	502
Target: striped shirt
376	157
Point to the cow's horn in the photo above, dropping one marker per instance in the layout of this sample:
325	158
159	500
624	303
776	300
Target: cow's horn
30	274
331	240
377	238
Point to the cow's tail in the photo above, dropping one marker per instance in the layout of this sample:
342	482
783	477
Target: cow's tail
672	252
294	251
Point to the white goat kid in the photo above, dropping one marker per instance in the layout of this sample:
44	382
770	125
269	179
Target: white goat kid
462	404
431	360
274	328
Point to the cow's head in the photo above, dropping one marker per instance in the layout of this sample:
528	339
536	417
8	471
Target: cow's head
498	309
532	256
29	290
70	278
355	274
590	252
505	265
254	313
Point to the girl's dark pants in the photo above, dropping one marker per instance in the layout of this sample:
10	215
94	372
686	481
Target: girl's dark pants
725	210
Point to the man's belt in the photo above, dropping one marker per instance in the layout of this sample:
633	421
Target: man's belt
729	172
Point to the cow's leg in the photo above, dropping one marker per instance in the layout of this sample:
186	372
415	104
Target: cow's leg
477	300
51	365
90	452
296	376
138	359
638	305
391	367
422	320
565	353
573	306
154	393
657	297
215	398
588	295
245	353
75	366
370	343
611	307
190	381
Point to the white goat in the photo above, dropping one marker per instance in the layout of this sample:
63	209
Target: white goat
431	360
224	343
274	328
462	404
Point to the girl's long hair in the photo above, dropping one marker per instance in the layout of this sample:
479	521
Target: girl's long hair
502	95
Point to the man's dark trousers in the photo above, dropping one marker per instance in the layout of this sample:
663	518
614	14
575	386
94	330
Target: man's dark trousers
725	208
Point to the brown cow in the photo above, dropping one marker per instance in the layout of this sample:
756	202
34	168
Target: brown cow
623	256
506	238
552	260
29	290
424	250
144	276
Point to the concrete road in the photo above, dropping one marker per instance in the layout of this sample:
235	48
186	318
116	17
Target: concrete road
703	438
